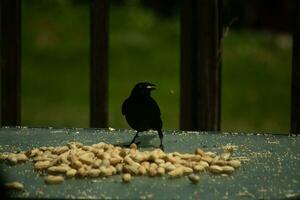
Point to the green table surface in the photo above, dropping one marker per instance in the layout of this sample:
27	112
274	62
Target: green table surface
272	171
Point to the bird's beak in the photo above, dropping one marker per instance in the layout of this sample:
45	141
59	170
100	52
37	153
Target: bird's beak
151	87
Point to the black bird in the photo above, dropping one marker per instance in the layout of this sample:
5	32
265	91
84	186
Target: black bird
142	112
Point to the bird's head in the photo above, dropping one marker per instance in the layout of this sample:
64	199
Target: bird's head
143	89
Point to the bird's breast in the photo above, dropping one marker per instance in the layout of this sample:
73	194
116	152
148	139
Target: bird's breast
142	114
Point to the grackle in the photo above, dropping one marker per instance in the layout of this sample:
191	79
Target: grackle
142	112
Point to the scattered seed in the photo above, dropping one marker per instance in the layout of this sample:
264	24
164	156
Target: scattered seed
71	172
40	165
200	152
225	156
194	178
60	150
142	170
161	171
199	168
14	185
210	154
133	146
126	178
21	157
215	169
12	159
58	169
227	169
152	171
176	172
106	171
94	172
54	179
235	163
104	160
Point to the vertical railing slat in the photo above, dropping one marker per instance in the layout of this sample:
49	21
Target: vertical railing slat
200	65
99	64
10	62
295	99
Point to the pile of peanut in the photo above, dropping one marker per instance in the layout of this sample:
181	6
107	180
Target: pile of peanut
103	160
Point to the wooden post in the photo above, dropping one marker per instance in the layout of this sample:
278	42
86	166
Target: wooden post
10	56
200	65
295	99
99	64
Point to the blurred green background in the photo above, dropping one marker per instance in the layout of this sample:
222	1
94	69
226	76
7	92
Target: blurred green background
144	46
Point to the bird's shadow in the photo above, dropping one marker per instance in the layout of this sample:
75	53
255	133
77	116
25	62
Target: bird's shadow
143	141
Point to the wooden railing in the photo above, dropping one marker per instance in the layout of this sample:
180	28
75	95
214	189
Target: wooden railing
200	80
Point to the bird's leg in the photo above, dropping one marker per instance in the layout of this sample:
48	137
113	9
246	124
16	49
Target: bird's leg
136	136
161	136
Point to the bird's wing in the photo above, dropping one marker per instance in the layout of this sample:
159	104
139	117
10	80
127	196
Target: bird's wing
154	114
154	107
146	107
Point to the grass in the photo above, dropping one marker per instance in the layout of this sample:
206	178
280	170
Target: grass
256	82
55	73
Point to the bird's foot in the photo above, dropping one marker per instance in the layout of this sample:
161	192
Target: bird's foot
162	147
